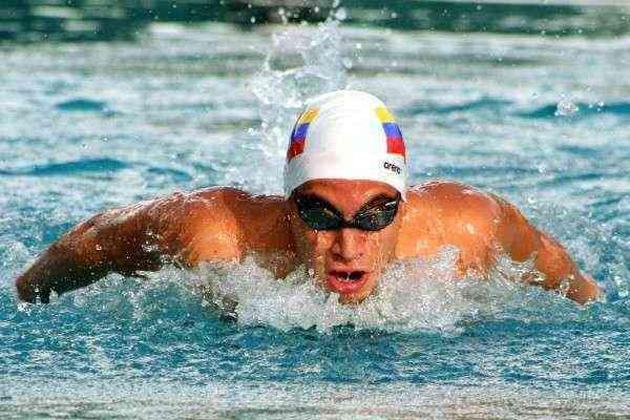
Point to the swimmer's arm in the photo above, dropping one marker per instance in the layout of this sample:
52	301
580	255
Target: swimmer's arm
133	239
105	243
523	241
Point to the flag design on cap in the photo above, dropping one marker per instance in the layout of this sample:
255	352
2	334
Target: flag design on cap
298	136
395	142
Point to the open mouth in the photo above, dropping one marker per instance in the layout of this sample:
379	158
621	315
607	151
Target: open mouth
346	281
348	275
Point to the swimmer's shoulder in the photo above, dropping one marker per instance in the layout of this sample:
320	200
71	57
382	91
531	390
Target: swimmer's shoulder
440	213
452	198
219	223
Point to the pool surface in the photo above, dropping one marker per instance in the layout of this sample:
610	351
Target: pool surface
540	120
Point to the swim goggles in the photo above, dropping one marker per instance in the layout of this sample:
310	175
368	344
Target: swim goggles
318	214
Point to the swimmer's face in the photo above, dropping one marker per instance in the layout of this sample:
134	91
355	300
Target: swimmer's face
347	261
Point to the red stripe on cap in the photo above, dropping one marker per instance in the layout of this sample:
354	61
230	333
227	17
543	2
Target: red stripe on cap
396	145
295	148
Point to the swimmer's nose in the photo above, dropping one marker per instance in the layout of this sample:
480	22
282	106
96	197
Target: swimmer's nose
349	244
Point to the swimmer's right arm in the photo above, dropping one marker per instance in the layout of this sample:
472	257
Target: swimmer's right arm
129	240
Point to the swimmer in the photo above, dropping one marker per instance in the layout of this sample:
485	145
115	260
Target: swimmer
347	213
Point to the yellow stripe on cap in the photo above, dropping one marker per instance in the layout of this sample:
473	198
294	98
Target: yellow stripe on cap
384	115
308	116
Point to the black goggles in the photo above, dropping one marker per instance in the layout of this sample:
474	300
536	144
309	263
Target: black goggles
320	215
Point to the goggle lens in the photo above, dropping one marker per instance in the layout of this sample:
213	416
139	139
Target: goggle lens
320	215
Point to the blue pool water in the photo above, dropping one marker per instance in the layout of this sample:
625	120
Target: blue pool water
541	121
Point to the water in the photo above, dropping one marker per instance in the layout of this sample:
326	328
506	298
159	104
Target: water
539	120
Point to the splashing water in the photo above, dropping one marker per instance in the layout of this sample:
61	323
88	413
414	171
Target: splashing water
414	295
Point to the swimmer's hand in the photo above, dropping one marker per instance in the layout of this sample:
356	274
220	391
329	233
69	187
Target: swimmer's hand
584	289
58	269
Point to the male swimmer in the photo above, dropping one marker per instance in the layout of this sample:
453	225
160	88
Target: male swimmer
346	215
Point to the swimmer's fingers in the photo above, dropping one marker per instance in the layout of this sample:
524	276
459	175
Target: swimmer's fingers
31	291
596	292
582	288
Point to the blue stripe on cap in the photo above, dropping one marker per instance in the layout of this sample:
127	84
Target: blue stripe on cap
392	130
300	132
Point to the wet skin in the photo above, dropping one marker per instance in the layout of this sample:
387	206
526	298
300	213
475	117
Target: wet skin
226	224
346	261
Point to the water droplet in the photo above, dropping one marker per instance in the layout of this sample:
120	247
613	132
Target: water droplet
394	15
341	14
98	247
566	108
347	63
252	19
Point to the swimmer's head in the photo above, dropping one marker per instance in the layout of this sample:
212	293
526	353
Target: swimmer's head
345	179
346	135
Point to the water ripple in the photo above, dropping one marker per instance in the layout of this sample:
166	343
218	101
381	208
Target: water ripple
582	109
84	105
70	168
432	108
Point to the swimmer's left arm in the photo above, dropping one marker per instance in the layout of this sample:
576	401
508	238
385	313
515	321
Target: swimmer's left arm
521	240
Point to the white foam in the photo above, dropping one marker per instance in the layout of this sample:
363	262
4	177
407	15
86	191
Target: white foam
414	295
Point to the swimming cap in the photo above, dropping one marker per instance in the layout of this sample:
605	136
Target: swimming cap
346	135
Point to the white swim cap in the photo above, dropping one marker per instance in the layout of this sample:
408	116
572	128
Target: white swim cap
346	135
